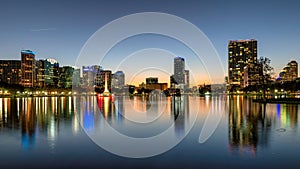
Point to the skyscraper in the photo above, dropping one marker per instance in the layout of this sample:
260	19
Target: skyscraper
179	66
89	75
47	72
51	72
241	53
118	80
65	76
28	68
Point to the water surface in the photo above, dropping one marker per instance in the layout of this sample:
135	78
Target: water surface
50	132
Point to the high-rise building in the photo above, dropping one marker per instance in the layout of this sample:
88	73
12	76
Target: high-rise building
47	72
52	72
289	72
118	80
89	75
40	73
65	76
240	54
76	77
28	68
179	67
252	74
10	71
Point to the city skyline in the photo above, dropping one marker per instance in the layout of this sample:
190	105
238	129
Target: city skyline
236	46
54	33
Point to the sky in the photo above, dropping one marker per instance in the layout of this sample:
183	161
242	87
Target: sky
59	29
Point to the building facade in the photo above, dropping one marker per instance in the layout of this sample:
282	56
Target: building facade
289	72
241	53
10	71
100	80
65	76
51	72
28	68
179	67
89	74
252	74
118	80
40	73
187	79
151	80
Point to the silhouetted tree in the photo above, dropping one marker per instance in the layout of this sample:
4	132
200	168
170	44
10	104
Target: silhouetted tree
266	72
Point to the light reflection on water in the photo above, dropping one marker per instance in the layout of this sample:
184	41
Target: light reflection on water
41	126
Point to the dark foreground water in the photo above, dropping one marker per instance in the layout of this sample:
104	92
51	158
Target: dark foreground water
52	132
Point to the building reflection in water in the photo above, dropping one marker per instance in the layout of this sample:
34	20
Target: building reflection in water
287	115
250	123
28	123
180	112
111	108
247	121
35	117
117	112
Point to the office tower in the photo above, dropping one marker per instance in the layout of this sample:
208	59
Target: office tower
10	71
28	68
179	67
118	80
51	72
241	53
289	72
65	76
89	75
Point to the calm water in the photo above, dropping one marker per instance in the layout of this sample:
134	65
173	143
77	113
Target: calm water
52	132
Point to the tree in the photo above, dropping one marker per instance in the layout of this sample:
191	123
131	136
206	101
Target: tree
265	72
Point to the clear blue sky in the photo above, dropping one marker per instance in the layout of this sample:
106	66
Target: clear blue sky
59	29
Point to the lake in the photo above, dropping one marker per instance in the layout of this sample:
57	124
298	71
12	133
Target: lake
104	132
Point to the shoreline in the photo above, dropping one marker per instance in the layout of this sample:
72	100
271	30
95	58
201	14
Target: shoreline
279	101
